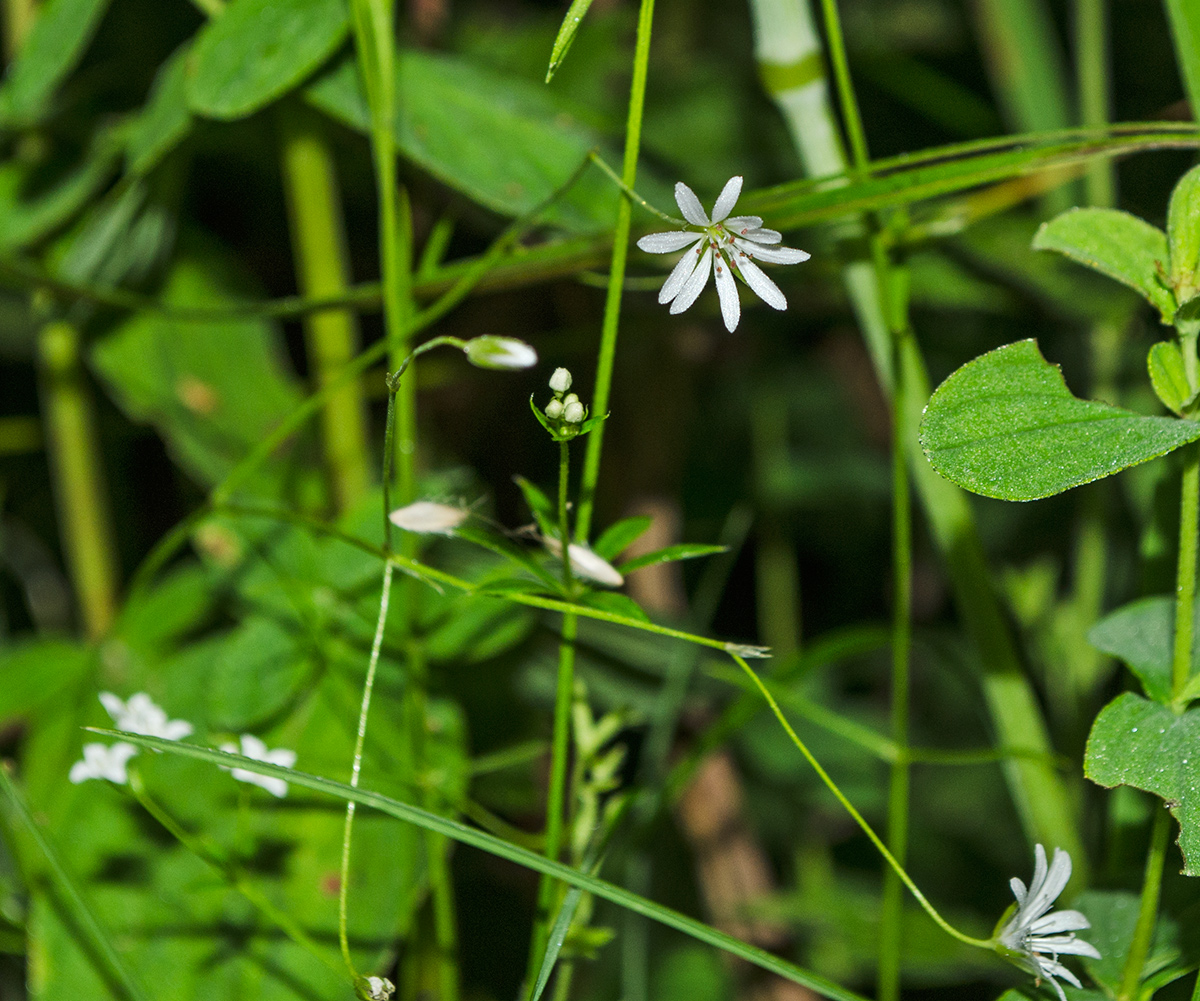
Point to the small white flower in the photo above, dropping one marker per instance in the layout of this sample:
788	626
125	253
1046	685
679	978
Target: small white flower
254	748
1037	938
100	761
379	988
560	381
491	351
429	518
141	715
585	563
723	241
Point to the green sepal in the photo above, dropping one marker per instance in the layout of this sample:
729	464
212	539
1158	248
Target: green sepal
1168	377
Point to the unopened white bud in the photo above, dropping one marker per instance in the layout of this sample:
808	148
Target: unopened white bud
490	351
429	518
573	412
569	399
554	409
560	381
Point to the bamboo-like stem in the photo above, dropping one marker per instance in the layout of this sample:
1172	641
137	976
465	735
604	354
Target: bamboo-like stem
85	521
1143	931
616	274
323	271
1093	82
788	51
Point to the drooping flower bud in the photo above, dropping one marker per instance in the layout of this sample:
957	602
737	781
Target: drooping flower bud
560	381
429	518
503	353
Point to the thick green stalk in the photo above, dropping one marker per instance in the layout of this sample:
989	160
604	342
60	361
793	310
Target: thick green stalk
323	271
85	520
1143	931
616	273
1037	790
1092	81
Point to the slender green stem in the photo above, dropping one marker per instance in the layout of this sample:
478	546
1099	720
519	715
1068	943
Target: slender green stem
892	910
19	16
77	907
855	815
1143	931
616	274
74	447
845	88
556	794
564	528
1185	581
323	270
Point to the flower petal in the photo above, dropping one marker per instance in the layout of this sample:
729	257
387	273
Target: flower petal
731	306
681	273
1059	921
761	235
1047	884
763	287
1063	945
1019	891
694	285
742	224
666	243
690	205
727	199
772	255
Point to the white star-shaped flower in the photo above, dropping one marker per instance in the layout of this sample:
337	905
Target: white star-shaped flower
1034	938
141	715
100	761
254	748
724	242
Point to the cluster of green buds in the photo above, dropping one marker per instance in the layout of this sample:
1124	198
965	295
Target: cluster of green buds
565	416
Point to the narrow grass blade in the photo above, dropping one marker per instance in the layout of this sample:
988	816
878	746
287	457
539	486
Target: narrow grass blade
80	913
558	933
566	35
495	846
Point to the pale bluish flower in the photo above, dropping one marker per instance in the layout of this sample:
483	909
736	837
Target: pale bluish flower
101	761
723	243
254	748
142	715
1034	938
429	518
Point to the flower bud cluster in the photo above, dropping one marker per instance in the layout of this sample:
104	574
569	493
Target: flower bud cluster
565	413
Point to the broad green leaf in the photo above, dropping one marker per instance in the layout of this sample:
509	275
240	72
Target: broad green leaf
164	120
1143	744
1183	234
682	551
475	629
255	670
566	35
615	539
1167	376
540	505
1113	914
1005	425
54	47
258	50
33	672
476	838
452	117
1142	635
26	220
1116	244
212	389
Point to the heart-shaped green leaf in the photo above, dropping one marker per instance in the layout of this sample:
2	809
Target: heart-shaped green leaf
1116	244
1141	634
1143	744
1005	425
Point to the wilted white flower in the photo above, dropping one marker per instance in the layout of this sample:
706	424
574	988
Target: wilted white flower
378	988
254	748
101	761
1035	939
142	715
723	241
585	563
560	381
492	351
429	518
